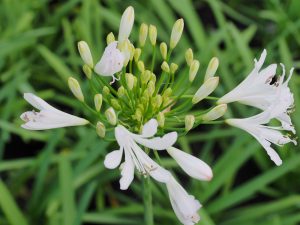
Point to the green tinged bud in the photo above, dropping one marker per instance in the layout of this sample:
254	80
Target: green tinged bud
121	91
137	54
163	50
111	116
110	38
189	122
85	53
105	91
138	115
152	34
189	56
193	70
176	33
134	81
161	119
87	71
215	113
129	80
141	66
167	93
146	76
132	50
115	104
98	102
165	67
206	89
211	68
75	88
153	78
143	34
173	68
100	129
151	87
156	101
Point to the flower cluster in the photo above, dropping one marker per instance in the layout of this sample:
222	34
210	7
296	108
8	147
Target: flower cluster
147	108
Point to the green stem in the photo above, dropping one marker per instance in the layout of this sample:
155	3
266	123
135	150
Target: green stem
148	215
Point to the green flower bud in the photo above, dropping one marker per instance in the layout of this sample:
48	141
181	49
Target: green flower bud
156	101
161	119
75	88
115	104
129	80
100	129
98	102
146	76
211	68
134	81
215	113
153	78
167	93
85	53
87	71
141	66
110	38
163	50
138	115
176	33
165	67
189	56
193	70
111	116
152	34
121	91
105	91
143	34
206	89
151	88
137	54
173	68
189	122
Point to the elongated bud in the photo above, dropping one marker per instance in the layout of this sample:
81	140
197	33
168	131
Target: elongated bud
173	68
105	91
137	54
141	66
215	113
121	91
132	50
100	129
163	50
111	116
156	101
110	38
161	119
145	76
87	71
193	70
85	53
126	24
153	78
152	34
165	67
205	89
189	122
176	33
98	102
167	93
126	48
115	104
211	68
75	88
151	87
189	56
143	34
129	80
138	115
134	81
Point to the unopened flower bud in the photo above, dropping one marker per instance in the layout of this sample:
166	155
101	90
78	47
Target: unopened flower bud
165	67
121	91
205	89
111	116
138	115
146	76
189	57
85	53
141	66
173	68
176	33
126	24
87	71
211	68
129	80
161	119
143	34
167	92
105	91
75	88
152	34
215	113
115	104
163	50
126	48
153	78
137	54
110	38
189	122
98	102
151	87
134	81
132	50
156	101
193	70
100	129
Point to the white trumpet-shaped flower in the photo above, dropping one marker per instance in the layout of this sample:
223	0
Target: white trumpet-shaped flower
48	117
193	166
259	90
135	157
265	135
184	205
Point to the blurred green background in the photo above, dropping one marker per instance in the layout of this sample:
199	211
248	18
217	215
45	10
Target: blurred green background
57	177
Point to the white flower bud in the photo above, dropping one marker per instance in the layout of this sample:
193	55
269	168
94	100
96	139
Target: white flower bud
211	68
161	119
87	71
193	70
126	24
75	88
173	68
163	50
111	116
100	129
215	113
143	34
189	122
85	53
98	102
165	67
205	89
152	34
189	56
141	66
176	33
137	54
129	80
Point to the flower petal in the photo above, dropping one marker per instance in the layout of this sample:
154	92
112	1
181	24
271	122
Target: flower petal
193	166
127	172
37	102
150	128
113	159
157	143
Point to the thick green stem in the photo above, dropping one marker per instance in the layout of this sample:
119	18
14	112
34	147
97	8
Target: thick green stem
148	215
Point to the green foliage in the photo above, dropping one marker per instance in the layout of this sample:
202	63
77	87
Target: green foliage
65	182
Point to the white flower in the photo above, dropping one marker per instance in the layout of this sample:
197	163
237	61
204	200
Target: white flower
48	117
111	61
258	91
135	157
184	205
193	166
265	135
